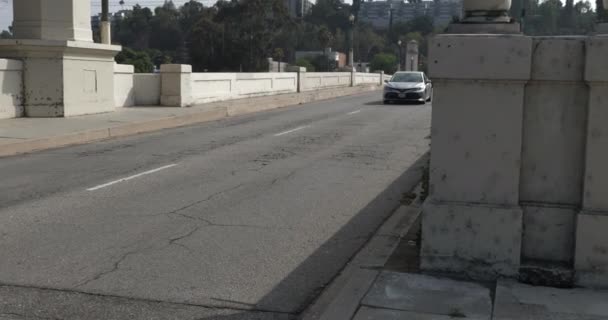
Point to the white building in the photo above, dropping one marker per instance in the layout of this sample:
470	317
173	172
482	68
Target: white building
377	13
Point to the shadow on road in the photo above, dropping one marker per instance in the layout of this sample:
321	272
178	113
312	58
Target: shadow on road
288	298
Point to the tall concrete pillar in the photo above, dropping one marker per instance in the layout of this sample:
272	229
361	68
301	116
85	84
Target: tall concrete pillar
472	219
53	20
66	74
591	257
411	56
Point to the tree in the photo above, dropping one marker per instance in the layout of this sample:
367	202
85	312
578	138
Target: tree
139	59
6	35
325	37
384	61
601	11
303	62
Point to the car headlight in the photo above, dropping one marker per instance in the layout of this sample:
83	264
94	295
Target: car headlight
420	89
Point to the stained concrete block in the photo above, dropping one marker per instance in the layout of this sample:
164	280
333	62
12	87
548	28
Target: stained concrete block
558	58
596	171
480	241
596	63
422	294
489	57
549	233
591	261
516	301
176	85
554	134
476	134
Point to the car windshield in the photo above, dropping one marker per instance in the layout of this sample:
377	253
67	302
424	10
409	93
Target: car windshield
407	77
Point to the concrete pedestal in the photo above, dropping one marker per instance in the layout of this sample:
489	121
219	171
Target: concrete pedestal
64	78
65	73
176	88
472	221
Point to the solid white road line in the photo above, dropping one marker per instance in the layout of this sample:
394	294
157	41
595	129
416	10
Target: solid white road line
290	131
131	177
354	112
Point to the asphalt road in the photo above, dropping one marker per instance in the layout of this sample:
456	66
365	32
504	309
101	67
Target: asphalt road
244	218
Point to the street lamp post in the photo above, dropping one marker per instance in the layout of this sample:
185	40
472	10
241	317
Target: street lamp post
106	33
400	55
351	55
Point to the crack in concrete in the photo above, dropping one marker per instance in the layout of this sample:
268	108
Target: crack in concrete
190	205
114	268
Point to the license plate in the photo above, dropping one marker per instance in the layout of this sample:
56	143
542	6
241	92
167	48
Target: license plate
402	95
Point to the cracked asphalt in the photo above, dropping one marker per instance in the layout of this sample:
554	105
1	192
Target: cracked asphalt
246	224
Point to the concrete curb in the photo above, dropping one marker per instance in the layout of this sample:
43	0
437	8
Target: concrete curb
341	298
233	108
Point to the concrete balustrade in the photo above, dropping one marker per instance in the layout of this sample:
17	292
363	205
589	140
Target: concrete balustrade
11	88
518	159
147	87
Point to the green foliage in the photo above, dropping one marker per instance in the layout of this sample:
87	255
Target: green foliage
384	61
139	59
552	17
6	35
303	62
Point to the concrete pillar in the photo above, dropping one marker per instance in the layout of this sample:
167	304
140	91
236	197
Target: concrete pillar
411	56
176	85
353	77
106	32
65	73
53	20
301	79
472	221
591	257
381	78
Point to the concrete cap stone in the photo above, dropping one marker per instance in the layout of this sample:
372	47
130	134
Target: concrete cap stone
597	59
176	68
482	57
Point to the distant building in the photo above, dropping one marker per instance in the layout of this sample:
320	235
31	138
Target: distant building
377	13
298	8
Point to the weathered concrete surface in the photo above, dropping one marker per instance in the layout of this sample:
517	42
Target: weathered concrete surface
515	301
246	219
367	313
479	241
555	117
591	263
429	295
124	86
11	88
549	233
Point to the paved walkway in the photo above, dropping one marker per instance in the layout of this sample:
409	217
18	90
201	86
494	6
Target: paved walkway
24	135
391	287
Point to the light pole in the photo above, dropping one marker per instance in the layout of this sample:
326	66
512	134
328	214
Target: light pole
400	55
390	21
106	32
351	55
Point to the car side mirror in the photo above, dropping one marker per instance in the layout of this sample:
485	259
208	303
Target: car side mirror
385	81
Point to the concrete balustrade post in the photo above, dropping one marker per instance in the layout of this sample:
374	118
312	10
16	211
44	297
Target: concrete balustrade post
472	221
381	83
591	254
353	77
176	85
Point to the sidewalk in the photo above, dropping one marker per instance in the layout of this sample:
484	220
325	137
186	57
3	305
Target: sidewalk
383	282
24	135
